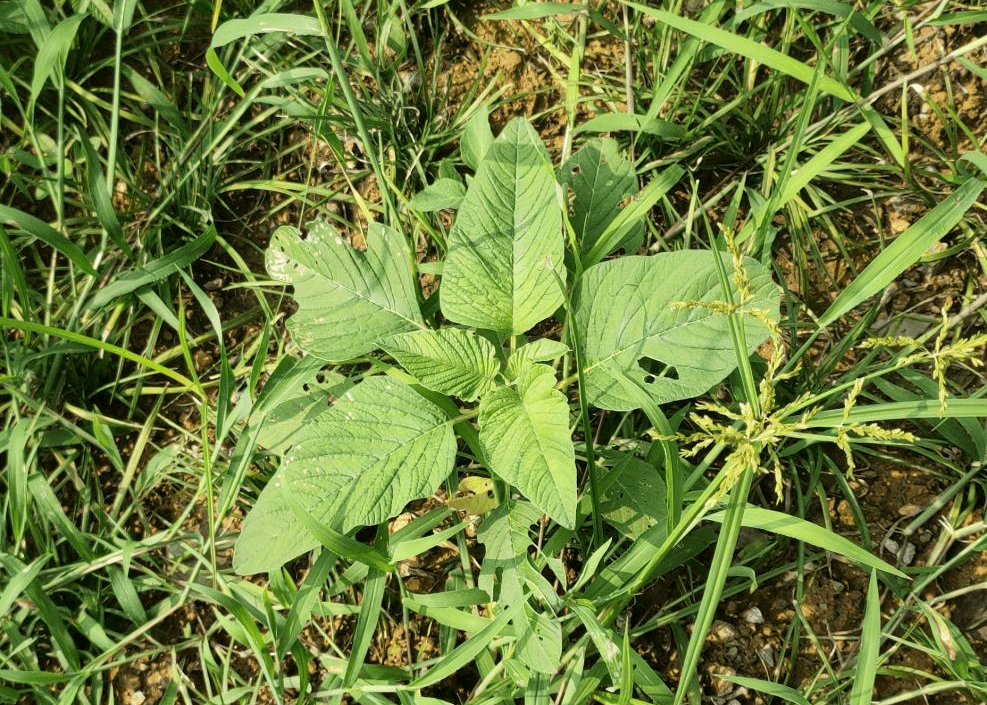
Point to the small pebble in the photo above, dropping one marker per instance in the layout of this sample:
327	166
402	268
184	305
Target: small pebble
753	616
723	631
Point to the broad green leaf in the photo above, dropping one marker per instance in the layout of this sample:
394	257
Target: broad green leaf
348	300
305	398
541	350
505	248
379	447
524	431
624	317
600	178
450	360
443	193
905	250
636	499
481	501
477	138
539	639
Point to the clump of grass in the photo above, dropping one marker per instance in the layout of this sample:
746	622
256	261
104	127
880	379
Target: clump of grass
130	393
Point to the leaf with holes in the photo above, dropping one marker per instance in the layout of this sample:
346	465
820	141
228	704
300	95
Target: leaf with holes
600	178
636	498
348	300
633	339
379	447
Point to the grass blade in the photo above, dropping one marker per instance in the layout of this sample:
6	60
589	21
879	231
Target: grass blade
870	643
905	250
802	530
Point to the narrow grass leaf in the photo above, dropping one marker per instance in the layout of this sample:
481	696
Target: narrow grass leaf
348	300
339	544
49	62
746	47
857	20
632	122
524	431
506	247
537	11
776	690
905	250
894	411
158	100
102	204
48	235
802	530
19	581
370	608
602	638
821	161
466	652
865	670
265	23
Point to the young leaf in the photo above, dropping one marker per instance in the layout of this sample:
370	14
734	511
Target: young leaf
348	300
477	138
600	178
541	350
379	447
449	361
624	316
524	431
505	248
443	193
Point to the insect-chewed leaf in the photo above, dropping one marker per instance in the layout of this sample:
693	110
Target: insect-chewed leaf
524	431
624	316
600	178
506	248
379	447
348	300
636	500
449	360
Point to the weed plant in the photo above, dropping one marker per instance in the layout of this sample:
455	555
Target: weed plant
616	373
